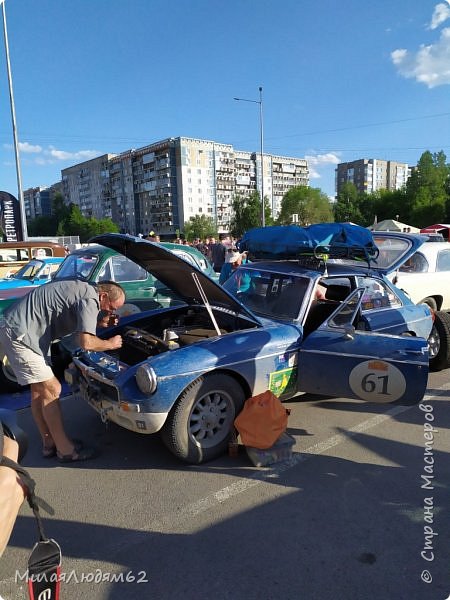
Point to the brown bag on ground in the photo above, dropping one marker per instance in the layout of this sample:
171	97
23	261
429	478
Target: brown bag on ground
262	420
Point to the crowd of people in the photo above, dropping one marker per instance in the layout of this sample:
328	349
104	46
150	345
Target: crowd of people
223	253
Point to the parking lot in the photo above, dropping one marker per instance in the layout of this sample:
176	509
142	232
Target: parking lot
345	516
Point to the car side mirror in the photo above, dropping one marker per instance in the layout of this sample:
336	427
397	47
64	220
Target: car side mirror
349	332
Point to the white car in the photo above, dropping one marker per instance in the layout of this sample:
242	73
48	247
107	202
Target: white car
425	278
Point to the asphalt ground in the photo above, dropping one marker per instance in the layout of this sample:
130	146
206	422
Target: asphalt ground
347	516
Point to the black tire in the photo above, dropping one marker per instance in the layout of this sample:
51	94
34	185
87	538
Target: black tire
8	381
199	425
431	302
439	342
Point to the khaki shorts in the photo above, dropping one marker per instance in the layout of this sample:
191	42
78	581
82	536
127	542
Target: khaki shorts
28	366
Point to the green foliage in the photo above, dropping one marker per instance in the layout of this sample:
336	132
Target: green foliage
247	214
310	205
68	220
347	207
199	226
423	201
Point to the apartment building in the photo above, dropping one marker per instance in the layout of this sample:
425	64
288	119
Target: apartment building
87	184
38	200
161	186
371	174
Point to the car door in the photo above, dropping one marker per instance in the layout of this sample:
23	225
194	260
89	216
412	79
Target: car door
340	360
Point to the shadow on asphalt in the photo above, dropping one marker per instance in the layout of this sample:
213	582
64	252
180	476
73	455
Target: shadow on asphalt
353	531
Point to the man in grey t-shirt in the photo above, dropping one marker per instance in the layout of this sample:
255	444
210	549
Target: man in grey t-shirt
31	324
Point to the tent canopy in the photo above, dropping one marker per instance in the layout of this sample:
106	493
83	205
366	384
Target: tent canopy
442	228
392	225
437	228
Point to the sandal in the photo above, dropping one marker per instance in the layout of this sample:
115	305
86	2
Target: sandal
50	452
77	455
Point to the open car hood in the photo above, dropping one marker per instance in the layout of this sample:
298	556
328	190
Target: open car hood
171	270
395	249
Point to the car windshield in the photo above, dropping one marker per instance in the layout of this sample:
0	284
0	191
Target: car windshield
28	271
273	295
76	265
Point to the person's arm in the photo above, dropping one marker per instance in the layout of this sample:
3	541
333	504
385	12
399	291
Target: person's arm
12	493
87	341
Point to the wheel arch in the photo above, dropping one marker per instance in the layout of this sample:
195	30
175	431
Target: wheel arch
228	372
437	298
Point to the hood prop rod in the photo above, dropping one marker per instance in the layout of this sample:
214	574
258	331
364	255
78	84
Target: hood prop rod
205	302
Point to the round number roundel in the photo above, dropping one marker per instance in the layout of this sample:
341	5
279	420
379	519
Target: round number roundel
377	381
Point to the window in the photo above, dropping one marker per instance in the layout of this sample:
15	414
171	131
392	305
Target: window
443	261
126	270
377	295
417	263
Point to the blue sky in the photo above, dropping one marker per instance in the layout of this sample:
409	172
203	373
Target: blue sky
341	80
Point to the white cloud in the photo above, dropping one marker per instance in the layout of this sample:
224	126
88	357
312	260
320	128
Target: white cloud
316	161
441	13
63	155
429	65
29	148
52	155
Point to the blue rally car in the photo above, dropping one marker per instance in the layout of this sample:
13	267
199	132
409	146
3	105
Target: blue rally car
307	324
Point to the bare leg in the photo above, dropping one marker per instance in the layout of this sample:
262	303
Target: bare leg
46	411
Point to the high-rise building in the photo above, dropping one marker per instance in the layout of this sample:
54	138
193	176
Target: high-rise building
38	200
85	185
371	174
161	186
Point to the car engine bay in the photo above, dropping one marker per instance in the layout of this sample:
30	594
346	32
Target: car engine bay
169	331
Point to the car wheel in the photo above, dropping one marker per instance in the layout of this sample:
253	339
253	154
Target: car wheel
439	342
198	427
431	302
8	380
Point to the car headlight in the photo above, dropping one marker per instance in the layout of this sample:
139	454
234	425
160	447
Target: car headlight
146	379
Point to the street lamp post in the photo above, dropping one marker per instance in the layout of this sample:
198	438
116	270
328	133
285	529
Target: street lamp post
261	131
13	118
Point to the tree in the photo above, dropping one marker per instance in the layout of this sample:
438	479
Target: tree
86	227
347	204
310	205
200	226
247	214
384	204
68	220
428	189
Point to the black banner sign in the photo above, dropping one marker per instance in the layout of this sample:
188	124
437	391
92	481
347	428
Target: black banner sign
10	218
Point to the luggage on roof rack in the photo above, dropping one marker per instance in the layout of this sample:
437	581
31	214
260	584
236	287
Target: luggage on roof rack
284	242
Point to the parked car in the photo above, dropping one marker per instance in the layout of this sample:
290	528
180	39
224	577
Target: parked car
96	263
186	370
14	255
36	272
425	278
143	291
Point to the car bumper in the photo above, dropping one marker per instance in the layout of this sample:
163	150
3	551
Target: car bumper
126	414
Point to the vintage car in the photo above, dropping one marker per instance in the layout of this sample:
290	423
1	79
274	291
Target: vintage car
36	272
185	371
14	255
425	278
97	263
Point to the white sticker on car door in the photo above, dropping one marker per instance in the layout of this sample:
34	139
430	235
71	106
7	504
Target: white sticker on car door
377	381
